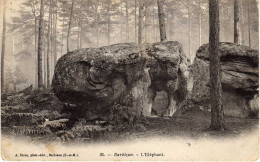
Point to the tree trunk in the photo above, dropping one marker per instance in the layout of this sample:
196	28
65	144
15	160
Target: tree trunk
121	26
48	48
161	20
62	44
69	28
172	26
135	20
167	22
242	24
145	22
13	62
55	36
78	36
217	113
96	22
80	20
44	57
153	25
35	46
108	23
36	59
127	22
189	33
236	21
51	39
156	29
3	48
40	46
249	24
200	23
226	34
140	23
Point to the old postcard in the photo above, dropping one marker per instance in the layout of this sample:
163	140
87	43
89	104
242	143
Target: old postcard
129	80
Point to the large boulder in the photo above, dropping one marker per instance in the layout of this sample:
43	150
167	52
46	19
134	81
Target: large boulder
99	78
95	78
239	69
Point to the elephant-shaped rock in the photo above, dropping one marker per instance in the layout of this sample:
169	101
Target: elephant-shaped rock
97	78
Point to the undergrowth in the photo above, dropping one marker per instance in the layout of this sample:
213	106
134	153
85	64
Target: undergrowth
40	116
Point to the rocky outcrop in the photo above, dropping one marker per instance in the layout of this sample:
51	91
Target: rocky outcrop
170	73
95	78
239	67
100	78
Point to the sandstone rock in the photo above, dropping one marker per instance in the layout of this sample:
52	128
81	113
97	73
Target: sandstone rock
97	75
97	78
239	66
170	73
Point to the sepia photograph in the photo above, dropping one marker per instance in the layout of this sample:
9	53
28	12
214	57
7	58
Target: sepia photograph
129	80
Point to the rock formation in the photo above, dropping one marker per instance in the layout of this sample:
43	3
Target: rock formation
239	67
170	73
99	78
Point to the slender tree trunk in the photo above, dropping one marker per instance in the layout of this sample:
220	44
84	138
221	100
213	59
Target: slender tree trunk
172	26
135	20
161	20
217	113
80	26
167	22
189	32
51	40
236	21
121	26
145	22
156	29
55	35
153	25
140	23
97	22
249	24
35	46
3	48
200	23
242	23
36	59
13	65
226	34
189	17
69	28
44	57
78	37
62	36
108	23
127	22
48	48
81	33
40	46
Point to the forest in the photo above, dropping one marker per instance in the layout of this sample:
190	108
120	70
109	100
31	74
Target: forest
100	23
54	83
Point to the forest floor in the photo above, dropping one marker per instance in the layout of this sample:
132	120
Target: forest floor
24	114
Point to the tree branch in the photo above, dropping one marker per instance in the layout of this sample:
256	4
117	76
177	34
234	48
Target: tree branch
188	7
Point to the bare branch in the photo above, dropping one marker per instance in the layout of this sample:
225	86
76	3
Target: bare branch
188	7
